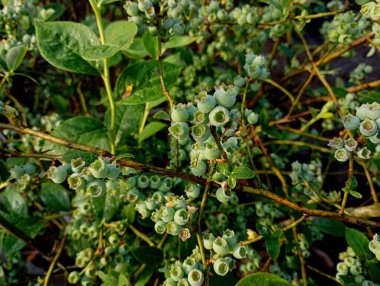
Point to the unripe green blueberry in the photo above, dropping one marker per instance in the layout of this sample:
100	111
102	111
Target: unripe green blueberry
221	267
179	130
160	227
253	118
222	195
184	234
77	164
189	264
133	195
336	143
362	111
57	174
92	231
374	245
131	182
342	155
220	245
225	96
113	239
16	172
199	118
98	168
205	102
167	213
96	188
142	209
374	109
86	174
356	269
211	152
198	168
29	169
166	185
181	216
131	8
150	204
208	240
240	81
342	268
179	113
350	144
84	208
76	182
169	282
183	282
195	277
113	171
230	236
172	228
73	277
83	228
240	252
154	182
176	272
219	116
375	139
192	191
143	181
158	197
368	127
364	153
200	132
351	122
143	5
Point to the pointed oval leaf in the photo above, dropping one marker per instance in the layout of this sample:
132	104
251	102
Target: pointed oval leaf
121	33
61	44
15	57
263	279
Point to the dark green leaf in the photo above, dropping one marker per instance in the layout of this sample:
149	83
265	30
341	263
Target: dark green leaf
55	196
123	156
13	205
80	129
373	271
61	44
144	79
151	45
358	242
59	9
227	280
121	33
242	172
355	194
15	56
4	173
74	154
148	254
162	115
263	279
178	41
126	122
145	276
330	226
273	246
129	213
151	129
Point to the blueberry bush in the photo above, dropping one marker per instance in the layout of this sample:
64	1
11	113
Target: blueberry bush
189	142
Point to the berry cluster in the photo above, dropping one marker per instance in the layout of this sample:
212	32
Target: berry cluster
367	122
374	246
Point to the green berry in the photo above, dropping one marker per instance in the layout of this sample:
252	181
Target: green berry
205	102
179	130
364	153
342	155
208	240
200	132
73	277
351	122
222	195
172	228
96	188
77	164
180	113
225	96
181	216
219	116
195	277
57	174
221	267
76	182
198	168
240	252
113	172
220	245
368	127
143	181
160	227
189	264
98	168
176	272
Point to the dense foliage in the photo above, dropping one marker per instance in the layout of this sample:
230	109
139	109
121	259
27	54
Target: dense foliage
189	142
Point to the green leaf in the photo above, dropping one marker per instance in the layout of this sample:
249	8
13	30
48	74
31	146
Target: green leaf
145	276
144	79
151	45
330	226
355	194
273	247
178	41
61	44
263	279
107	204
124	155
151	129
59	9
242	172
55	196
121	33
274	3
13	205
227	280
99	52
129	213
113	279
126	122
358	242
373	271
15	56
4	173
231	182
105	2
80	129
162	115
148	254
136	50
353	183
74	154
362	2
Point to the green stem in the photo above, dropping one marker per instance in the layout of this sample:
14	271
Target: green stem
141	235
106	71
54	261
145	117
